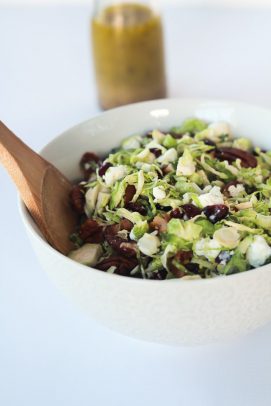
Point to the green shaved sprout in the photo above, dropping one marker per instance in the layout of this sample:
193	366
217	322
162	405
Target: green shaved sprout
192	202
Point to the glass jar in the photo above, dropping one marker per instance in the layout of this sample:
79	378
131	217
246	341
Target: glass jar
127	40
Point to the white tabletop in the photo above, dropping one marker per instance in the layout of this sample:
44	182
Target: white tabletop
51	353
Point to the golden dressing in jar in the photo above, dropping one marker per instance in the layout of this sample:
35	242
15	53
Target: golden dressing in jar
128	54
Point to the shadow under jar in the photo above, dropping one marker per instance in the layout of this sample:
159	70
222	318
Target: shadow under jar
127	40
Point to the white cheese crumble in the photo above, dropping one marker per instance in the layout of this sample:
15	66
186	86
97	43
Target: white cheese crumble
149	244
186	166
169	156
114	173
211	198
227	237
236	190
158	193
219	128
207	248
258	252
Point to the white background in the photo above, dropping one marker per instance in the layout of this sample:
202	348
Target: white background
50	353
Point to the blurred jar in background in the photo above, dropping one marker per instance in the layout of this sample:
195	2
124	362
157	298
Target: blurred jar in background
127	39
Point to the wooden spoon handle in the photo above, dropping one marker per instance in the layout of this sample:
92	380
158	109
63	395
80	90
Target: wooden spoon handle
18	158
25	167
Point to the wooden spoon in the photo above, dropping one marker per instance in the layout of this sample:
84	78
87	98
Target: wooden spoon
44	190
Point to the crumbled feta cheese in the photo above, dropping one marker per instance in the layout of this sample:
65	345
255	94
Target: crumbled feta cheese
258	252
158	193
236	190
227	237
207	248
220	128
213	197
149	244
114	173
169	156
186	166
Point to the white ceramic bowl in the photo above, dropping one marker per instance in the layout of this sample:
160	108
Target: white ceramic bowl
175	311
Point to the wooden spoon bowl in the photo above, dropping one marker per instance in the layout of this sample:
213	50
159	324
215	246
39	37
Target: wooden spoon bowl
43	188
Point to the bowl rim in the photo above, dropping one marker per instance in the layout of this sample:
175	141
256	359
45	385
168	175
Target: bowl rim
28	221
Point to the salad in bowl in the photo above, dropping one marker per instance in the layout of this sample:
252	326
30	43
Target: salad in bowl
191	202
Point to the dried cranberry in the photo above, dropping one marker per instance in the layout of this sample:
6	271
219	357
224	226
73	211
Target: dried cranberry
88	163
176	214
210	143
163	208
104	168
184	257
130	191
231	154
156	151
192	267
175	135
216	212
136	207
159	275
190	211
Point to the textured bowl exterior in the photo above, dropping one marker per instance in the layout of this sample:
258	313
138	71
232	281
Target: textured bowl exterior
173	312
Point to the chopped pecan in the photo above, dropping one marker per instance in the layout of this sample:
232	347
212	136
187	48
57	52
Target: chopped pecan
159	223
77	199
130	191
91	231
231	154
126	225
184	258
122	246
123	265
89	162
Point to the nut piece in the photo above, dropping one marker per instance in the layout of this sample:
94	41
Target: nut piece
77	199
159	223
91	231
123	265
231	154
122	246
